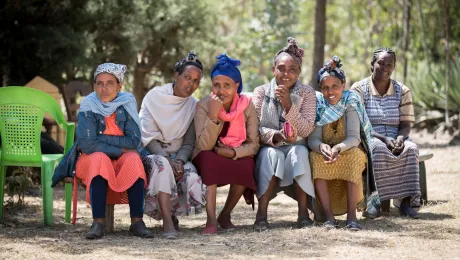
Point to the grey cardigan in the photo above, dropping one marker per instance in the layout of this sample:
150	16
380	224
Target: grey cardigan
352	127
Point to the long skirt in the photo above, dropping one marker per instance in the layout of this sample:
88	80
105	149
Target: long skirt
396	177
120	173
217	170
288	163
348	168
188	195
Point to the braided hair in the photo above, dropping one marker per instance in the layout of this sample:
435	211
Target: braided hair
378	51
190	59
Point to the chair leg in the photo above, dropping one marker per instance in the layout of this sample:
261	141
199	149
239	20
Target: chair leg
47	192
2	188
68	201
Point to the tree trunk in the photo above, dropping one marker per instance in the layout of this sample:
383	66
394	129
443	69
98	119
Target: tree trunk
140	87
320	40
446	33
406	35
422	30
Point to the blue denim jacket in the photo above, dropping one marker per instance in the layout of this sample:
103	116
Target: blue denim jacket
90	139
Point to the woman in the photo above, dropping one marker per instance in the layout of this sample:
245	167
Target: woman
108	134
337	159
284	105
227	138
395	158
168	134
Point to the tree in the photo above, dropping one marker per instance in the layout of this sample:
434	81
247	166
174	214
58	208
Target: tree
406	36
320	40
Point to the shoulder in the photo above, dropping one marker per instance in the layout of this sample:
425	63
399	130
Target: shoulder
251	109
404	89
261	89
307	90
359	84
204	102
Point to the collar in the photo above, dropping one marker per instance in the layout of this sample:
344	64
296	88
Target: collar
373	91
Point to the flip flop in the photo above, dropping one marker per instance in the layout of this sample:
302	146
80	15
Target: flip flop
261	225
170	235
353	226
305	222
331	224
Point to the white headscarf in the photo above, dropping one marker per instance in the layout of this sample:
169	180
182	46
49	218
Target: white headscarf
165	117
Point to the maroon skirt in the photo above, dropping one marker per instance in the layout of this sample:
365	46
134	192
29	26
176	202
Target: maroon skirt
217	170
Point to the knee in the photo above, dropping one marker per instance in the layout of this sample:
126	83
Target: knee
131	156
299	150
272	152
99	156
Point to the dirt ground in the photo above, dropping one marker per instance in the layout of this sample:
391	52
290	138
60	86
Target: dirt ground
436	235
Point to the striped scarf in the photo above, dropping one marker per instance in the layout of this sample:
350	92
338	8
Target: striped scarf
327	113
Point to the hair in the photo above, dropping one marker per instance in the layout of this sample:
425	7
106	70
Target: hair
292	50
378	51
332	67
190	59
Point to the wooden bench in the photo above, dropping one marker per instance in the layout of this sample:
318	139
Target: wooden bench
423	156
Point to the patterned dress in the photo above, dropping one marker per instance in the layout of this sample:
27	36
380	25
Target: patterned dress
348	168
188	194
396	176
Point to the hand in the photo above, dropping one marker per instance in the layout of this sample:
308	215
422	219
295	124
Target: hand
224	150
177	167
293	137
278	137
123	150
390	143
399	145
283	94
335	154
214	107
326	151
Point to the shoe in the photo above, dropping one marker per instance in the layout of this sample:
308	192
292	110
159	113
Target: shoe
304	222
331	224
261	225
209	230
406	210
96	231
139	229
170	235
353	226
227	225
176	222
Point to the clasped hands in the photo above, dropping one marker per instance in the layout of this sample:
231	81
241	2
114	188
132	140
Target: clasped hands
330	154
396	146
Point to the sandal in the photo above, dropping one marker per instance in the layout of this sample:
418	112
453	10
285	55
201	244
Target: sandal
304	222
261	225
170	235
405	210
353	226
331	224
209	230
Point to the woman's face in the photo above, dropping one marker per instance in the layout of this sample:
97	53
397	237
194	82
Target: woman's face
106	87
332	89
384	66
225	88
187	82
286	70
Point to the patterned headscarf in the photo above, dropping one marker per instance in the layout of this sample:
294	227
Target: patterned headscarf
118	70
331	68
190	59
227	66
293	50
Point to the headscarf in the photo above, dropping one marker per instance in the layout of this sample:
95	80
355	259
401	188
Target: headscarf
227	66
190	59
331	68
117	70
293	50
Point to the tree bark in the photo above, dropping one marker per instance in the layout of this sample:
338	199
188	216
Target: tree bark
406	35
422	30
320	40
446	33
140	87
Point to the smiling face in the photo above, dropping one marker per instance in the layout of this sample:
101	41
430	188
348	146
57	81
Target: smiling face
106	87
225	88
384	66
187	82
286	70
332	89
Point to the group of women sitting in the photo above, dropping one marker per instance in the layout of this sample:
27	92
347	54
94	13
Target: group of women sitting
344	149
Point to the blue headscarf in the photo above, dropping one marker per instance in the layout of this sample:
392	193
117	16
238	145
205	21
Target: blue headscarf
227	66
127	100
331	68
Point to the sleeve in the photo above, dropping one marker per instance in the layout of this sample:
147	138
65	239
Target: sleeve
302	113
186	150
352	131
206	131
266	134
406	108
154	147
250	147
87	137
130	140
315	139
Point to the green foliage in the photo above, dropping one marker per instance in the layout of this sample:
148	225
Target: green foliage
18	183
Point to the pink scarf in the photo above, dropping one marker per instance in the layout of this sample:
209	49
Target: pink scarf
236	134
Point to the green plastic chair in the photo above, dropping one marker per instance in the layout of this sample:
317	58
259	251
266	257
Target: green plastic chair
21	115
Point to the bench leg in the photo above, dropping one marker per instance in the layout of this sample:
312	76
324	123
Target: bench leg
423	189
109	217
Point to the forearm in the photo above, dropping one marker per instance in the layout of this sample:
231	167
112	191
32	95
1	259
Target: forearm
404	129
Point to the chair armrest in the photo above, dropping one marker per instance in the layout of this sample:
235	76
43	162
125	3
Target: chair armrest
69	135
